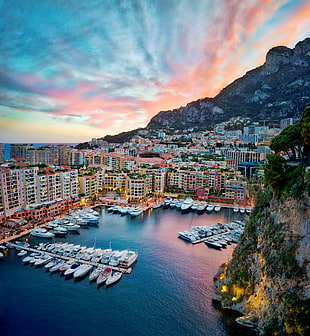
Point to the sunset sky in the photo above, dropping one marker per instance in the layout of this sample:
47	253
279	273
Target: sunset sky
74	70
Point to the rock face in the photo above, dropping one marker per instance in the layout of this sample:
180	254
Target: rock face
278	89
268	278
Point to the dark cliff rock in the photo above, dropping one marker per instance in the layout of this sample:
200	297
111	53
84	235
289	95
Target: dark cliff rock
268	277
278	89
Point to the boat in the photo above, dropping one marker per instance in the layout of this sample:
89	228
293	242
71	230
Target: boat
248	209
124	210
210	207
167	202
217	208
42	233
242	210
187	205
128	259
82	270
22	253
236	208
117	256
173	203
95	273
103	276
201	207
66	265
57	266
59	231
213	244
157	205
113	278
1	255
43	260
72	269
21	245
136	212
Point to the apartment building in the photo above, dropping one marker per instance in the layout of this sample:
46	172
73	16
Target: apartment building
19	150
236	156
1	153
235	190
88	185
137	187
157	178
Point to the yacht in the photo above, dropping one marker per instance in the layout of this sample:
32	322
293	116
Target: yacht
194	206
173	203
22	253
186	205
167	202
59	231
82	270
217	208
117	256
107	256
201	207
1	255
137	211
103	276
42	233
242	210
113	278
57	266
248	209
236	208
124	210
128	259
157	205
95	273
72	269
43	260
210	207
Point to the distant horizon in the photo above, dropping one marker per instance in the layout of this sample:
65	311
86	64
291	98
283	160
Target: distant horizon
71	73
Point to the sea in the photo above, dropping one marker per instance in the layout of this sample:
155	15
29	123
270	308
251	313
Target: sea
169	291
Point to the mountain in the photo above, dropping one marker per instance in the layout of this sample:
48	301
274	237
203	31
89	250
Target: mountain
278	89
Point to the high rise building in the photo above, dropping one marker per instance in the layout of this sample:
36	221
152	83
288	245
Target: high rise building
1	152
18	151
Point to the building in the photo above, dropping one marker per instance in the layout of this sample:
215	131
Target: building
19	150
137	187
236	190
1	153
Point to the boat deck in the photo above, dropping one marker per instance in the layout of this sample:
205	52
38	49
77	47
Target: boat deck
30	249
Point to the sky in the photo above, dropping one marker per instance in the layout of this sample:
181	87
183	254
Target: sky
74	70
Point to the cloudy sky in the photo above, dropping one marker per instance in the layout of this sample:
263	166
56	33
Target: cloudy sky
73	70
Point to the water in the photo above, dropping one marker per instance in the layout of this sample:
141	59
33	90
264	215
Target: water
169	291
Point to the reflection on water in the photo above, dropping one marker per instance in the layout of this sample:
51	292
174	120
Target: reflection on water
169	291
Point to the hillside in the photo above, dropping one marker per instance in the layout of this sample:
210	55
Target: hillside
278	89
268	277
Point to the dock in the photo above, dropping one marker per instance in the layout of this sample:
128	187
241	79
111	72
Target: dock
55	255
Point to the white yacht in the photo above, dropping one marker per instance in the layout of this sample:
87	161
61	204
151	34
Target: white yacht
236	208
248	209
82	270
72	269
186	204
103	276
117	256
113	278
202	207
1	255
128	259
95	273
210	207
42	233
136	212
242	210
217	208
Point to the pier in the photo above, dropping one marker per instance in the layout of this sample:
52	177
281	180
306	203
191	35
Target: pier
82	261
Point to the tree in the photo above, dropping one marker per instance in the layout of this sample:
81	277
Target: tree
275	170
289	141
305	132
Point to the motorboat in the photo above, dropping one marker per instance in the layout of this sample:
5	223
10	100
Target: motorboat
42	233
95	273
187	204
137	211
236	208
72	227
210	207
194	206
124	210
43	260
173	203
103	276
217	208
117	256
57	266
1	255
22	253
157	205
107	256
128	259
248	209
113	278
201	207
242	210
59	231
167	202
82	270
65	266
72	269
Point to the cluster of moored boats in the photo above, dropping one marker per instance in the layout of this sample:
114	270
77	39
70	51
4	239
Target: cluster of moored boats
71	223
188	204
81	261
126	210
217	236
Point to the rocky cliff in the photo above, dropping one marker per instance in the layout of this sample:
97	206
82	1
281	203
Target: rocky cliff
268	278
278	89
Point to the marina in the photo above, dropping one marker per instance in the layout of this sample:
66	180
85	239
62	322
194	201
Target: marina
160	279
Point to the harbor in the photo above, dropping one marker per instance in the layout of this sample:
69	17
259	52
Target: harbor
165	277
